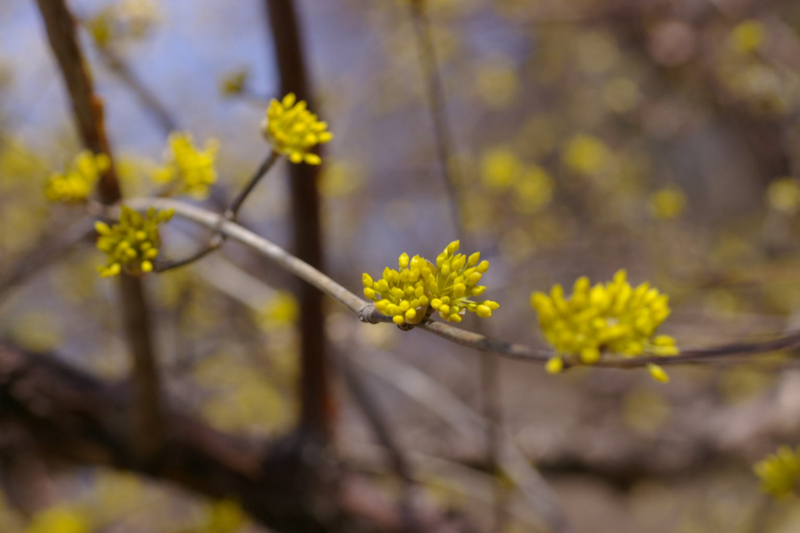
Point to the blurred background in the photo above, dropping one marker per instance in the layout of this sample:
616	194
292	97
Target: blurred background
583	137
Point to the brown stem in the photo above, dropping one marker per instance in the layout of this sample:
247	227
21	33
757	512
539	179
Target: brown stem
87	109
316	399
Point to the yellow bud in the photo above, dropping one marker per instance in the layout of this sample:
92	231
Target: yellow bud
369	293
453	247
590	356
483	266
554	366
397	319
483	311
657	373
403	260
436	303
366	279
444	309
411	314
474	259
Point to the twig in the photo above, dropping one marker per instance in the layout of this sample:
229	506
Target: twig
366	311
231	212
87	109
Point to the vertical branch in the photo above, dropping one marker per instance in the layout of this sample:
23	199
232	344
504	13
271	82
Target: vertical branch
87	109
489	363
317	409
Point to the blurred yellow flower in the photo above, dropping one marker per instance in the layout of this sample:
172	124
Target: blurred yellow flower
225	516
77	183
131	244
188	170
293	130
497	82
533	190
60	519
747	36
783	194
500	167
612	317
668	202
586	154
779	472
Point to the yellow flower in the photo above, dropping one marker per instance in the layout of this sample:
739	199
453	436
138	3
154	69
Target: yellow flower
612	317
779	472
401	293
225	516
586	154
783	194
60	519
454	281
747	36
293	130
188	170
668	202
446	287
77	182
132	244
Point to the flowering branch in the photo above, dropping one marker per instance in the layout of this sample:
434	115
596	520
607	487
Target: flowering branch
366	311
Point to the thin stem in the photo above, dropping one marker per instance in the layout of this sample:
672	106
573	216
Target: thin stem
231	212
233	209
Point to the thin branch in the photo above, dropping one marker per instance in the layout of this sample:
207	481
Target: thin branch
231	212
385	436
146	97
87	109
366	311
437	104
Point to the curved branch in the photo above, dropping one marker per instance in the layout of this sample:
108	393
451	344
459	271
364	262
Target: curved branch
366	311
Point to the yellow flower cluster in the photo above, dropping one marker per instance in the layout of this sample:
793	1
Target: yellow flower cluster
131	244
779	472
188	170
612	317
77	182
405	294
59	519
293	130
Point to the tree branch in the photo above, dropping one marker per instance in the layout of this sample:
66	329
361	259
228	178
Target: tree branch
72	416
87	109
317	405
366	311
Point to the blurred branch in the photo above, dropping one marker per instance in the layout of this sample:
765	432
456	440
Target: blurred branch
72	416
431	394
44	253
488	369
366	311
146	97
317	404
386	438
87	109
